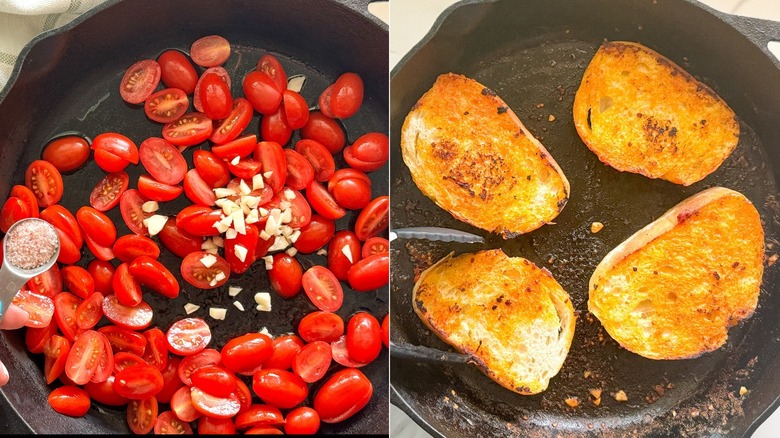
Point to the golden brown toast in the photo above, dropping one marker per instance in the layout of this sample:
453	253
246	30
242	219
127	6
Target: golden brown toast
642	113
672	290
472	156
513	318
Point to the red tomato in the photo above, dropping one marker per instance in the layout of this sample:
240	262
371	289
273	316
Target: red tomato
156	353
198	220
181	404
321	326
189	364
198	190
118	145
312	362
123	340
235	123
69	252
142	415
240	147
279	388
97	225
198	275
55	354
211	168
216	426
341	354
264	430
262	92
78	281
65	305
13	211
137	317
354	162
375	245
163	161
107	192
103	392
285	275
246	353
346	95
172	382
245	169
84	357
26	195
315	235
35	339
296	110
214	380
63	219
338	261
196	96
124	360
138	382
244	394
102	273
105	364
373	147
350	193
188	336
154	275
247	241
302	421
370	273
177	240
325	130
319	157
168	424
67	153
270	65
323	203
324	101
39	307
131	246
109	162
139	81
212	406
166	106
70	400
364	337
285	349
48	283
215	96
272	156
176	71
259	415
45	182
191	129
273	127
89	311
343	395
210	51
126	287
130	205
101	252
301	211
323	288
373	219
157	191
299	171
386	331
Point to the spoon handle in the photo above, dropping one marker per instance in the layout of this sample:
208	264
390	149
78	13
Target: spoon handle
9	287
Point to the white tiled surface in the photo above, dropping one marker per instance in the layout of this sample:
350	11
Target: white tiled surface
410	21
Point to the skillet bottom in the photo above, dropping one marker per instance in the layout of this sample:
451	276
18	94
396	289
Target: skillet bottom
665	398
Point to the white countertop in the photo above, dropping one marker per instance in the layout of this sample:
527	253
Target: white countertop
410	21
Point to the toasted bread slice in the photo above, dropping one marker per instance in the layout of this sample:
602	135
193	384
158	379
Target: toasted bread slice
672	290
642	113
513	318
470	154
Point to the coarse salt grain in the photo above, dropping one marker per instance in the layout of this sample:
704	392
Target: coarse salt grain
30	244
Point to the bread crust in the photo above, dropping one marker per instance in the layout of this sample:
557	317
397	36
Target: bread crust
672	290
640	112
469	152
512	317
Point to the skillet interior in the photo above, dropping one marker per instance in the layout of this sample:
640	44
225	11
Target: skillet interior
69	82
535	53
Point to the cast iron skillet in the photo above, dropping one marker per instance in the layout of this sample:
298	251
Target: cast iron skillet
69	81
533	53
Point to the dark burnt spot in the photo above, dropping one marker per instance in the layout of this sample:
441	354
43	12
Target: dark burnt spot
634	268
416	105
528	177
542	155
420	306
735	265
562	203
595	286
716	275
590	124
444	150
508	303
484	195
494	307
703	122
639	115
462	184
472	260
673	132
685	215
502	109
655	272
488	92
500	299
466	113
523	389
478	347
660	134
455	308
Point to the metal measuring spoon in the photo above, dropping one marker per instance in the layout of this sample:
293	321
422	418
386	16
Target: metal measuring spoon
12	278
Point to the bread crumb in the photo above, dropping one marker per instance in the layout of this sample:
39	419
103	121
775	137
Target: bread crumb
742	390
572	401
595	227
595	393
540	105
772	259
551	118
586	374
621	396
597	401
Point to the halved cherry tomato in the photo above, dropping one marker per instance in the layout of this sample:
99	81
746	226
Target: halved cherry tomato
189	364
78	281
346	95
97	225
270	65
302	421
235	123
296	110
118	145
124	360
214	380
285	349
340	259
178	241
13	211
323	103
216	426
102	273
323	288
171	378
375	245
325	130
157	191
131	246
103	253
156	353
285	275
188	336
211	168
176	71
241	147
196	96
167	424
67	153
103	392
356	163
210	51
197	274
109	162
130	205
373	219
264	430
321	326
39	307
69	252
65	305
247	241
198	220
126	287
244	394
262	92
370	273
364	337
139	81
26	195
273	127
191	129
246	353
136	318
341	354
45	182
35	339
154	275
123	340
323	203
70	400
274	161
162	160
138	382
64	220
89	311
299	171
343	395
312	362
212	406
245	169
301	211
181	404
350	193
372	147
319	157
55	354
315	235
279	388
107	192
215	97
84	357
198	190
166	106
142	415
259	415
48	283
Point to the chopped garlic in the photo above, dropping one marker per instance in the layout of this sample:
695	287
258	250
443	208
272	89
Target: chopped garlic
271	227
220	226
238	222
150	206
295	83
322	252
217	312
289	194
280	244
257	182
222	192
284	205
208	260
155	224
189	308
268	174
234	290
269	262
287	216
263	300
231	234
220	276
213	283
264	235
207	244
265	331
252	218
251	201
291	251
235	160
244	188
347	251
214	251
263	212
227	220
295	235
218	241
241	252
238	305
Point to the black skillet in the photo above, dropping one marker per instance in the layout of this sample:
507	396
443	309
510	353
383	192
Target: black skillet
532	53
68	81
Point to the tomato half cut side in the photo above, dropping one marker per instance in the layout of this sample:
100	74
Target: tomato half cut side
168	424
137	317
35	339
78	281
235	123
323	288
210	51
124	340
190	129
213	406
89	311
189	364
323	203
188	336
157	191
138	382
319	157
65	305
131	246
139	81
13	211
270	65
166	105
48	283
55	354
156	352
117	144
39	307
162	160
321	326
142	415
373	219
341	354
194	271
108	191
130	206
84	357
375	245
312	362
274	161
45	181
300	173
